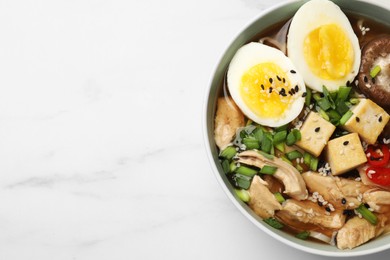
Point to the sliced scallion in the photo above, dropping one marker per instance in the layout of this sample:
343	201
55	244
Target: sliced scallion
228	153
280	147
280	137
303	235
284	158
308	97
242	181
313	163
307	158
268	169
294	155
343	93
251	143
368	215
374	71
291	139
279	197
232	166
242	195
266	155
354	101
346	117
323	114
246	171
273	223
225	166
297	134
266	144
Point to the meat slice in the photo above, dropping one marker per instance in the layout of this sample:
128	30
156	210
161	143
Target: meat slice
292	180
311	213
358	231
262	201
228	119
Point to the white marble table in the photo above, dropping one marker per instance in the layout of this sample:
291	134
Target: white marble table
101	150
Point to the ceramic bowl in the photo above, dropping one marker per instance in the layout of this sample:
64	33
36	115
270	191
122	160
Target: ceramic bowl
264	20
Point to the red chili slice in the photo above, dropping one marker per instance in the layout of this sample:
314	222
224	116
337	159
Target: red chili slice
379	175
378	159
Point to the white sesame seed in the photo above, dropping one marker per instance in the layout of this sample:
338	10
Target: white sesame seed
358	179
351	204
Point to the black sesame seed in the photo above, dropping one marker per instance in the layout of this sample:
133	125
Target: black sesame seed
270	89
278	78
327	209
366	205
373	80
365	79
293	71
284	80
319	203
357	119
292	91
343	201
348	212
348	83
317	129
304	94
346	143
380	119
296	88
271	80
322	95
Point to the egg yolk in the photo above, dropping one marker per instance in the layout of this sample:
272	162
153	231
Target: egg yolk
264	89
328	52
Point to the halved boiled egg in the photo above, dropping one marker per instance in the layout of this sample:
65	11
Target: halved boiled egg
265	85
323	45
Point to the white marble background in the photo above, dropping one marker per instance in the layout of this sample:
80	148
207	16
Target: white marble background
101	150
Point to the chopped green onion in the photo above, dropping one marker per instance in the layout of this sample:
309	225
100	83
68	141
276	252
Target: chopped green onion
354	101
343	93
279	197
280	147
225	166
258	133
346	117
242	195
228	153
375	71
266	155
317	96
307	158
324	103
281	128
314	164
308	97
297	134
284	158
246	171
291	139
273	223
280	137
232	166
242	181
324	115
251	143
329	97
341	106
268	169
294	155
299	168
368	215
303	235
266	144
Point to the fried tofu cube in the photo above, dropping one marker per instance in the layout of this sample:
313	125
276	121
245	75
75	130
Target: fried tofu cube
315	132
368	120
345	153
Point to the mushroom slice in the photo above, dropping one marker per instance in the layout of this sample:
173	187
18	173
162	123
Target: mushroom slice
292	180
262	201
228	119
376	52
310	212
358	231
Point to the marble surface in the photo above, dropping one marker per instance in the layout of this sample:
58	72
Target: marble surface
101	150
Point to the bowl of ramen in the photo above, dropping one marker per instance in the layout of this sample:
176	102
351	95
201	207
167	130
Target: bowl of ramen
297	129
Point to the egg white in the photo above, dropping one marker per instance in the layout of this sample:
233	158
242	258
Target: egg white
255	53
310	16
